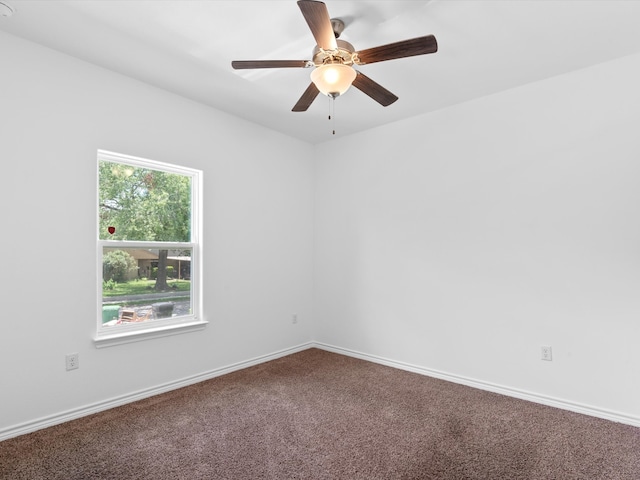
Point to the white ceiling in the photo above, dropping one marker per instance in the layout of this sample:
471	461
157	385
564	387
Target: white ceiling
186	47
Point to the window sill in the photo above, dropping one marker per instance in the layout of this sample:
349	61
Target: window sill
110	340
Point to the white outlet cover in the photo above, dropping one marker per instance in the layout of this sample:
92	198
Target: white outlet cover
72	361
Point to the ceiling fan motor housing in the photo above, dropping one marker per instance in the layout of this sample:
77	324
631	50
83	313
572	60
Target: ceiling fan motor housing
344	54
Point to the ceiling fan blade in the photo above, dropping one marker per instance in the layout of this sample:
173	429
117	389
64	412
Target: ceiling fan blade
244	64
306	99
405	48
317	17
376	91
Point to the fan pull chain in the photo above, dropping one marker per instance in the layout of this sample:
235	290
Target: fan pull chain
332	107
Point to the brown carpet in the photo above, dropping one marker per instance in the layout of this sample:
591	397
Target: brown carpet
319	415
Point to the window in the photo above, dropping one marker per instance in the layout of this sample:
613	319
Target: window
149	249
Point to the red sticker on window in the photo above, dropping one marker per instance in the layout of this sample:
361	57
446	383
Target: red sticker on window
112	230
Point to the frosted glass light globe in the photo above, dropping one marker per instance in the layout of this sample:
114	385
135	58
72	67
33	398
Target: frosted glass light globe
333	79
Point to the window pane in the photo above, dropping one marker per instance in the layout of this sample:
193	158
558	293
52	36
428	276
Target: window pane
143	204
133	289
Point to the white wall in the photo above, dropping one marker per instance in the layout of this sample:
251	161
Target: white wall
55	112
463	240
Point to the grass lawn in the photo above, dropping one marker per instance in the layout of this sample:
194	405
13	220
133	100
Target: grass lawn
138	287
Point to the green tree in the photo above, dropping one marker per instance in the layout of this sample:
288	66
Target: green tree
144	204
118	265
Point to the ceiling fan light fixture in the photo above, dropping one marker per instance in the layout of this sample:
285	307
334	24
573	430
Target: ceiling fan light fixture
333	79
334	59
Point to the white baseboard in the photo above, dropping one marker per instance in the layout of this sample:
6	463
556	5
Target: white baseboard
75	413
508	391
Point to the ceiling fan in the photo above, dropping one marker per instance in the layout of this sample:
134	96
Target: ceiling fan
333	59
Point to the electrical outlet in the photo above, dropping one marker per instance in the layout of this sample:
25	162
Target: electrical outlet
545	351
294	318
73	361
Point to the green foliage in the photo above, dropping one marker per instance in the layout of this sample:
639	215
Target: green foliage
118	266
108	284
170	272
144	204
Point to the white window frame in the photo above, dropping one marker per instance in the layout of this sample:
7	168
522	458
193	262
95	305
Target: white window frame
137	331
